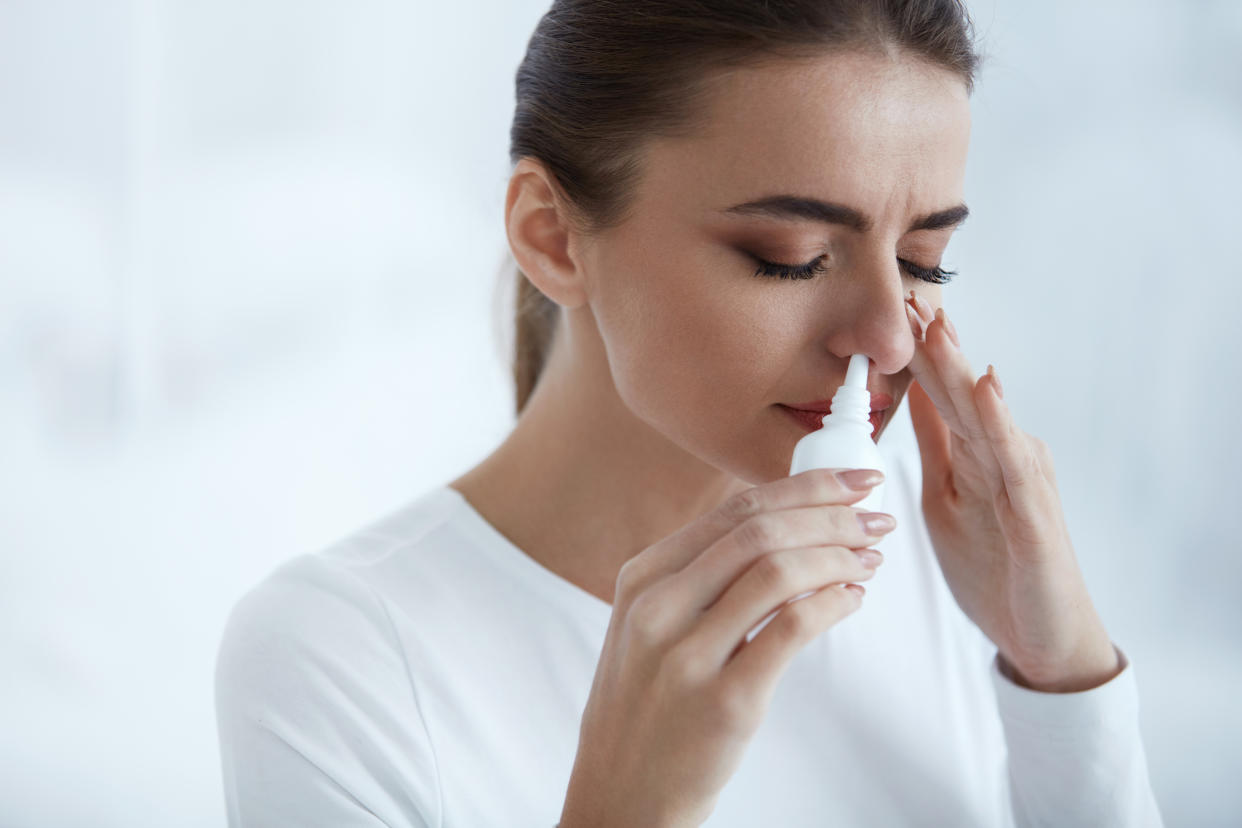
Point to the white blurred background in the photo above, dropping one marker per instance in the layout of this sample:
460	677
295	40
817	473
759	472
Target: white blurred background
248	257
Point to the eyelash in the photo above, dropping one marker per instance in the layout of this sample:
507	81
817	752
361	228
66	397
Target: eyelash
815	267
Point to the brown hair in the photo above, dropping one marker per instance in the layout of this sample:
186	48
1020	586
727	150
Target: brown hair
599	77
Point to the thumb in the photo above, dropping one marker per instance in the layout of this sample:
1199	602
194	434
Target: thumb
933	436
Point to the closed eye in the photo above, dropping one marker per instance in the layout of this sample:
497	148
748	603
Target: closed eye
934	275
815	267
783	271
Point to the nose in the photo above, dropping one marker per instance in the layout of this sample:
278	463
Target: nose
874	322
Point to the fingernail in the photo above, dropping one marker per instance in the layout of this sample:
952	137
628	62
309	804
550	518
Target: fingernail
913	316
948	326
870	558
860	479
923	308
1000	389
876	523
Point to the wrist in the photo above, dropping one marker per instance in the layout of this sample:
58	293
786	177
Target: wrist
1094	663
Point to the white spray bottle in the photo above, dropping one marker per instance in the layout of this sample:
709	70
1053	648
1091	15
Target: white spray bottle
844	441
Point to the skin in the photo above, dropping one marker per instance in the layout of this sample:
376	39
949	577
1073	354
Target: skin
659	397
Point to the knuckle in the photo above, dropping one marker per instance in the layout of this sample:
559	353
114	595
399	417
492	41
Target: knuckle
628	581
1017	479
645	617
844	521
625	575
800	621
1043	451
1029	471
686	664
743	504
762	531
732	708
796	626
825	485
775	570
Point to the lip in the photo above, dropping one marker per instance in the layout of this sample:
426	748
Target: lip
879	402
810	415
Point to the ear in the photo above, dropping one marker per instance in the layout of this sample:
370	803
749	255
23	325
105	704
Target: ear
540	234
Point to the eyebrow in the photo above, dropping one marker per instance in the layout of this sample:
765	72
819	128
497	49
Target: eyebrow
791	207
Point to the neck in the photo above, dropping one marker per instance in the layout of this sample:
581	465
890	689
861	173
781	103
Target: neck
582	484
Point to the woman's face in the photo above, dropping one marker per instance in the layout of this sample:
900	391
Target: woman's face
707	352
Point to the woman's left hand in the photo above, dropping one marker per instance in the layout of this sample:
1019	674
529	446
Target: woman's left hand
994	516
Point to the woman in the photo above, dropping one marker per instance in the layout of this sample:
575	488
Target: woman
712	207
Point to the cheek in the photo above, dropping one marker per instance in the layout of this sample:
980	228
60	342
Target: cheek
689	333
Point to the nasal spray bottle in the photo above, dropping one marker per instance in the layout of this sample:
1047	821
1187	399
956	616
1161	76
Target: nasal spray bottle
845	441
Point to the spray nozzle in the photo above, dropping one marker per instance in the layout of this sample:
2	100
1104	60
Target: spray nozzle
856	373
852	402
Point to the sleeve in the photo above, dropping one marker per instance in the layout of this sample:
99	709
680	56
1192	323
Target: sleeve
1076	759
318	721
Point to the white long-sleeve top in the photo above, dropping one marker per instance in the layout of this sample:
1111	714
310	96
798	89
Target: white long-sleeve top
426	672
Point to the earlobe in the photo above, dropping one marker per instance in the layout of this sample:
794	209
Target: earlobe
539	234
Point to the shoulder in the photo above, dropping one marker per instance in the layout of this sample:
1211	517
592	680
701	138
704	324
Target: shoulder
318	719
307	624
324	616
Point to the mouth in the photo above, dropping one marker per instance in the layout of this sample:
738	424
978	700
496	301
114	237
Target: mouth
810	415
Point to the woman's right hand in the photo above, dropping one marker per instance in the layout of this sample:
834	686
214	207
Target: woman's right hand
679	691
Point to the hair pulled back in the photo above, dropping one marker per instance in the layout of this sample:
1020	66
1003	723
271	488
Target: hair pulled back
600	76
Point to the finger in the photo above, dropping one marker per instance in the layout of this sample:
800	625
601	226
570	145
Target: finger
1021	472
769	583
701	583
916	322
958	381
809	488
933	437
760	663
926	375
922	308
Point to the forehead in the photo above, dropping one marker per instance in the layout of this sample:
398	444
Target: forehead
887	135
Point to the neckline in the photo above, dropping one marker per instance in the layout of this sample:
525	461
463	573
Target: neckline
511	555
